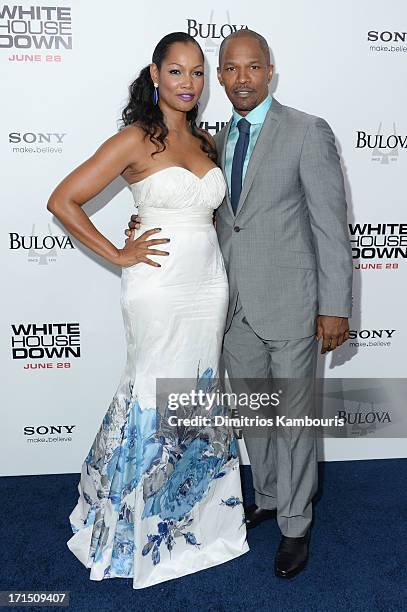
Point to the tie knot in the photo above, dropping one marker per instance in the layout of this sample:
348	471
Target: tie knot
243	126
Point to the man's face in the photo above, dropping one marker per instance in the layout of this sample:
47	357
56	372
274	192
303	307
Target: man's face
244	73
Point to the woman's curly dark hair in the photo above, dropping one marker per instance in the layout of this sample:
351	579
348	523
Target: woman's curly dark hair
141	109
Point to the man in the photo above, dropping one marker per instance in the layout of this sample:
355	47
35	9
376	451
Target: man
282	229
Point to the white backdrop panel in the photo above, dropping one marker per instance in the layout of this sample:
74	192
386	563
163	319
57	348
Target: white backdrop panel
324	65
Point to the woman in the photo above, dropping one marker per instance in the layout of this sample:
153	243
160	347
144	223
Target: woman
158	501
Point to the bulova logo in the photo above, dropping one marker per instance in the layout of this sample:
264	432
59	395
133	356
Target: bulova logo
364	419
213	33
385	147
42	248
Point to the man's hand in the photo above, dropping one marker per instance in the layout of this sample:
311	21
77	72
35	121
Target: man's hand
134	223
334	331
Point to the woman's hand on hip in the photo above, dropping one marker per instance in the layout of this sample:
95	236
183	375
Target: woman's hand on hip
136	251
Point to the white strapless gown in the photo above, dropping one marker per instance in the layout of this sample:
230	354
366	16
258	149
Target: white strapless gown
157	502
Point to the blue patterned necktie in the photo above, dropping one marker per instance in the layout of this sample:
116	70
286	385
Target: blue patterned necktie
238	160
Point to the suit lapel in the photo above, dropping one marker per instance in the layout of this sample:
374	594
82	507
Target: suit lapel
222	165
264	142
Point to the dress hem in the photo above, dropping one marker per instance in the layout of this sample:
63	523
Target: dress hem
208	565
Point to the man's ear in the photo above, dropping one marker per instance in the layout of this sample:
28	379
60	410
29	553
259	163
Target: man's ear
271	72
219	75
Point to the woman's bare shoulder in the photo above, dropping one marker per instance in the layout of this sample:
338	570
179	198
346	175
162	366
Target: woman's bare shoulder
127	144
131	134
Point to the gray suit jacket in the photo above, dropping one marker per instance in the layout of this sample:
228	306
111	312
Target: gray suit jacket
287	250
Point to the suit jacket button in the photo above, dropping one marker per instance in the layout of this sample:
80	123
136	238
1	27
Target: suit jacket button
237	228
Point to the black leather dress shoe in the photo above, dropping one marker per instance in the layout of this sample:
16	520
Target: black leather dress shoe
255	515
292	556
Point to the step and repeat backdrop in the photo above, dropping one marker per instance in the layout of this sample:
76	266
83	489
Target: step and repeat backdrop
65	70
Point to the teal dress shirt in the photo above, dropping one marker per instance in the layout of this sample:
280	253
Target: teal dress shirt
256	118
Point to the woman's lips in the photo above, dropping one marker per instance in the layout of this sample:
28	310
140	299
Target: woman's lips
186	97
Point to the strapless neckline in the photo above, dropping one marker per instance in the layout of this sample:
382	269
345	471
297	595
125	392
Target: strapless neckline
198	178
176	187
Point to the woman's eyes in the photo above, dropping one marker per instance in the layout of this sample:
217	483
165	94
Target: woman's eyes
198	73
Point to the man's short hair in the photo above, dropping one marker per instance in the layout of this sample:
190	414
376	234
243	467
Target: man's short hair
246	32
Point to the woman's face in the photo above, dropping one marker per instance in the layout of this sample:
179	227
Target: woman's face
180	78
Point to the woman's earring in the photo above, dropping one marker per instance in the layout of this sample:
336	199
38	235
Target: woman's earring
155	94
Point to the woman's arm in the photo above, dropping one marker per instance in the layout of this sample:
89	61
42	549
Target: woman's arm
89	179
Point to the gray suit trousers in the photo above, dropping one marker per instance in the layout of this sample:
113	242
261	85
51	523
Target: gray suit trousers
283	460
